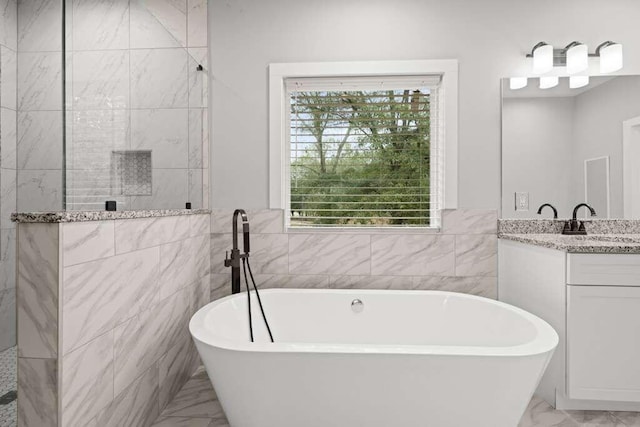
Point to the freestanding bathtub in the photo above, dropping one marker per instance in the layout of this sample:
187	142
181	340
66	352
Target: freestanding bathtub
407	359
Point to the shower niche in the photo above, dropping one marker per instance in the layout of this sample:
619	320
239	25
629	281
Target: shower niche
131	173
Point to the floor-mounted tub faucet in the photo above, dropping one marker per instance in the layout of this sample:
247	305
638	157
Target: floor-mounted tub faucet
555	211
236	256
574	226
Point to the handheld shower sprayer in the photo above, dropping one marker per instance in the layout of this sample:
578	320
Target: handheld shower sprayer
234	263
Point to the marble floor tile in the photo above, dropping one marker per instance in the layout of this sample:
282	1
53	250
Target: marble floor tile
540	414
196	400
595	419
183	422
196	405
629	419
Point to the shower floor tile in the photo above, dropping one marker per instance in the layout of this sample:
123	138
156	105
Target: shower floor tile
8	383
196	406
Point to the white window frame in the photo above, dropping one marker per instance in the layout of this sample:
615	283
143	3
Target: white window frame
279	115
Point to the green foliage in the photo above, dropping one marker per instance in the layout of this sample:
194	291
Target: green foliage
360	158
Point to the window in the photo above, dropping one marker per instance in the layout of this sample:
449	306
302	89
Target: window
362	149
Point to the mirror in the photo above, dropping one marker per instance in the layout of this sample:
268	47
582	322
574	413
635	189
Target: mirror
566	146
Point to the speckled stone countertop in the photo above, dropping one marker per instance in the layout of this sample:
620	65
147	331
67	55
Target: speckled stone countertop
589	244
544	226
80	216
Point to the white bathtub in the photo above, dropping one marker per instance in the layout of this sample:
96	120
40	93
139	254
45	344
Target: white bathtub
410	358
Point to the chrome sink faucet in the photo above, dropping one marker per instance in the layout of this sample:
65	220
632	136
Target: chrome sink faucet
236	256
575	227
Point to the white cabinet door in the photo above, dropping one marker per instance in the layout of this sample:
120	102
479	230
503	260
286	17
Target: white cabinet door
603	345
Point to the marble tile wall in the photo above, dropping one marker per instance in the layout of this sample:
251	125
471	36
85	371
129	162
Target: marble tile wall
133	84
462	257
38	153
8	165
104	308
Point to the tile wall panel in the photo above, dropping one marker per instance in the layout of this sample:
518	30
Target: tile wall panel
134	406
40	143
9	20
139	341
412	255
40	81
125	345
100	24
8	78
99	295
8	138
87	380
461	257
8	164
329	253
158	24
8	197
38	293
39	105
39	190
39	26
38	391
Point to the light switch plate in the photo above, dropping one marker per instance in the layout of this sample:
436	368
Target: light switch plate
522	201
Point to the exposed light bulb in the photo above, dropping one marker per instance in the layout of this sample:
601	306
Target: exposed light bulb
542	58
576	82
548	82
610	57
577	58
517	83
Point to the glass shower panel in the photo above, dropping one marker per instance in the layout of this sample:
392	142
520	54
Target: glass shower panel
136	104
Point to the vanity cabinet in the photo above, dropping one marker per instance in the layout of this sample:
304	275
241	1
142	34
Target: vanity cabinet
593	302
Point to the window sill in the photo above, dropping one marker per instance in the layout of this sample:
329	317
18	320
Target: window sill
363	230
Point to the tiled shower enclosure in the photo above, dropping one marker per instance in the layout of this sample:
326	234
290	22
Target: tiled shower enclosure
81	80
133	84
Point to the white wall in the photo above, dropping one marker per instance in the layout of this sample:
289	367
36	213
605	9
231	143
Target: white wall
598	118
489	38
537	135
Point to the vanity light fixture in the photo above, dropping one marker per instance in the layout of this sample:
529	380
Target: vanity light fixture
576	82
610	54
542	54
577	57
517	83
547	82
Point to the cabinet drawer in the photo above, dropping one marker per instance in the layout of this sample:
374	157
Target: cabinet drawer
603	269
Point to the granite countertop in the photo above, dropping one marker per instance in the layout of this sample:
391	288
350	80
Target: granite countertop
80	216
591	243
